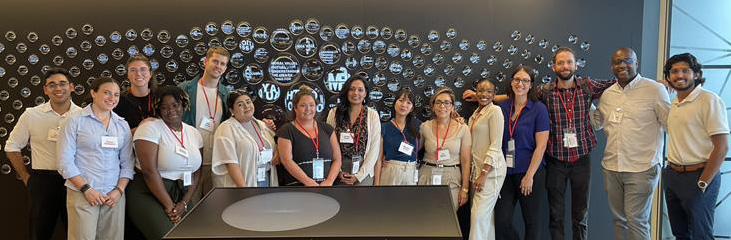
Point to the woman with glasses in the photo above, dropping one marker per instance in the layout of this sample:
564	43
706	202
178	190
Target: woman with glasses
448	144
136	105
357	128
308	148
488	164
244	151
169	155
524	142
400	144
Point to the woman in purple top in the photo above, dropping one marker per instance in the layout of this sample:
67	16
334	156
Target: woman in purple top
524	142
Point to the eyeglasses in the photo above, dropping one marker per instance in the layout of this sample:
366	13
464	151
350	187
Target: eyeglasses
680	70
625	61
53	85
443	103
521	80
142	70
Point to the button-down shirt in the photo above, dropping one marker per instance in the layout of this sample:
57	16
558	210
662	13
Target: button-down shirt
533	118
80	150
34	126
691	123
551	95
633	119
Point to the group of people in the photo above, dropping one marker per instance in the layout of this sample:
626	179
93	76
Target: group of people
149	153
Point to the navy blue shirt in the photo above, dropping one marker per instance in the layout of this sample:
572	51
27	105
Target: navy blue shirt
392	139
533	118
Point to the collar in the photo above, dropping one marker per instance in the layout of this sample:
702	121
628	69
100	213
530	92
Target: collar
632	84
691	97
86	111
46	107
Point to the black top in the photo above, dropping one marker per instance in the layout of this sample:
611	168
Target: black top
134	109
303	149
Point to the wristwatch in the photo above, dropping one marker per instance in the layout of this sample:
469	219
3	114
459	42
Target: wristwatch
702	185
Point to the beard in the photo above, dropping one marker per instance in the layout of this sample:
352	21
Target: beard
567	76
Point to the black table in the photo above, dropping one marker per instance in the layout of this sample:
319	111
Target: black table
393	212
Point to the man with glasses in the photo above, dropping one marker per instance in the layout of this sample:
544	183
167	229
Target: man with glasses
39	126
697	145
634	112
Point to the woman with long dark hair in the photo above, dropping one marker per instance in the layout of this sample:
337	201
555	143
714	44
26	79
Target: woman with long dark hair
398	163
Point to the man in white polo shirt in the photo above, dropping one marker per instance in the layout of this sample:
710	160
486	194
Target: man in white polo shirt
634	111
697	135
39	126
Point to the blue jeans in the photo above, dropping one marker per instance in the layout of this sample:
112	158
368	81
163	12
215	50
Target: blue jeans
630	200
690	210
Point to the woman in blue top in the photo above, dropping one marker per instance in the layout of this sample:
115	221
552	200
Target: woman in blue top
524	142
397	165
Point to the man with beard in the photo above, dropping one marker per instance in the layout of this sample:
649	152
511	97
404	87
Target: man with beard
571	138
634	112
207	107
697	144
39	126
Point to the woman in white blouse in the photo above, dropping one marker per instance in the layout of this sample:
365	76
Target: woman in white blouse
488	163
244	150
169	156
447	144
359	133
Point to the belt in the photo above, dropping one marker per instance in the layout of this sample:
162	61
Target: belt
44	172
687	168
441	165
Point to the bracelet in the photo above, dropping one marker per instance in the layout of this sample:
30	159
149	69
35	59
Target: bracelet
465	190
484	170
118	189
84	188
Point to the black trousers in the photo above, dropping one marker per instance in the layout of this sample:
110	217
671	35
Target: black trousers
578	174
530	206
47	195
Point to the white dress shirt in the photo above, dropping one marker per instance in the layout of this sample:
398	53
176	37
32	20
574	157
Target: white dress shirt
691	124
633	119
34	126
170	164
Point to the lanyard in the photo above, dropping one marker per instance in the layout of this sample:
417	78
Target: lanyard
208	104
258	135
444	139
511	123
181	139
357	131
402	133
569	111
315	140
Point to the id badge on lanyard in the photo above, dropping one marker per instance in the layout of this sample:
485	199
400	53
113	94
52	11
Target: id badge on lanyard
318	169
53	134
510	154
416	176
357	159
346	137
406	148
616	116
265	156
569	138
443	155
207	124
261	173
110	142
187	178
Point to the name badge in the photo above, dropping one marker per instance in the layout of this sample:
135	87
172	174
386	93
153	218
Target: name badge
181	151
346	137
616	116
187	178
569	138
52	134
261	174
265	156
356	164
110	142
406	148
510	154
416	176
318	168
443	155
207	124
436	177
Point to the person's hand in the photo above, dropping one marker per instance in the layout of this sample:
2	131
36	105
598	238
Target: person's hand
270	124
478	184
276	160
94	197
177	212
462	198
328	182
113	197
526	185
311	183
347	178
455	115
469	95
